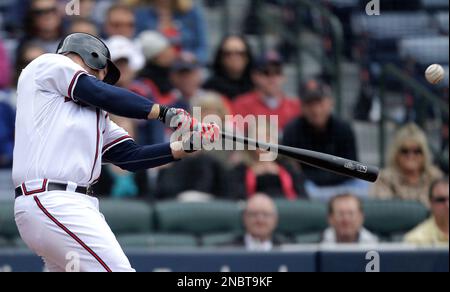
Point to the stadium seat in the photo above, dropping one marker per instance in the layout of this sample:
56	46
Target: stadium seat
310	238
442	19
301	217
390	218
425	50
198	218
393	25
435	4
8	228
157	241
18	243
221	239
127	217
4	243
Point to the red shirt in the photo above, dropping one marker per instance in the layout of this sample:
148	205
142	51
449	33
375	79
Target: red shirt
253	104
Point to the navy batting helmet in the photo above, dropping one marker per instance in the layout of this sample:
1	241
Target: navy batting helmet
94	53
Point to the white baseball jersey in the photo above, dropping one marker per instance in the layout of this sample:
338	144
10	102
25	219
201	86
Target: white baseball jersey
56	137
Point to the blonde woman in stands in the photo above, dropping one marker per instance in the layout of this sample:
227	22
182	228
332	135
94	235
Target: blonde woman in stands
410	172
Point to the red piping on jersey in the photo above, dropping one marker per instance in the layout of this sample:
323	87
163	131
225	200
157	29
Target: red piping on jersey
97	144
41	190
115	142
71	234
72	83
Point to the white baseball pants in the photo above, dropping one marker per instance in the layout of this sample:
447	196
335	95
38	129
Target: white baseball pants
70	234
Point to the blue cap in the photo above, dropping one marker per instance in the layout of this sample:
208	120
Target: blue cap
271	58
185	62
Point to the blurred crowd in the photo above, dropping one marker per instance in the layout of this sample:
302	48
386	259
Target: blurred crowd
162	51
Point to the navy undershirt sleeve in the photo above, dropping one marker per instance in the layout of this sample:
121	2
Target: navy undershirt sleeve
115	100
133	157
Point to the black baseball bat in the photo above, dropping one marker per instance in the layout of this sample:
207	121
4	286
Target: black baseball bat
323	161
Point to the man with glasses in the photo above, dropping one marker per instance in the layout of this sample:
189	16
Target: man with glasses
120	23
346	219
120	20
434	231
268	98
260	219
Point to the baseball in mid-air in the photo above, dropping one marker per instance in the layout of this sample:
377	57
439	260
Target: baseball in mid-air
435	74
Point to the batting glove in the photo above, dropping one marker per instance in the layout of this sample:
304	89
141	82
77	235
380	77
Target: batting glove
203	135
175	118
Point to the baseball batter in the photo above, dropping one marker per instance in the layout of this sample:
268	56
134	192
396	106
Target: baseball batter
63	135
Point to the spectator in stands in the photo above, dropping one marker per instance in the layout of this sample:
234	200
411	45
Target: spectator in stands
7	121
268	98
27	52
43	24
206	171
278	179
409	171
203	173
123	53
231	70
434	231
117	183
4	68
319	130
87	8
91	10
153	81
260	219
160	56
181	21
186	77
82	25
346	220
120	20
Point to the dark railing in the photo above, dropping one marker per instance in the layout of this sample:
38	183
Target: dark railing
330	64
426	97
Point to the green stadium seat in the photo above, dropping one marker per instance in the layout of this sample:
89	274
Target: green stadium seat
310	238
127	217
390	218
157	241
8	228
4	243
220	239
301	217
19	243
198	218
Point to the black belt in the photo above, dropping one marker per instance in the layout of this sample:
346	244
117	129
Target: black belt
55	187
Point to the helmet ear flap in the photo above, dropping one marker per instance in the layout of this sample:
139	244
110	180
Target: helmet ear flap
113	74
